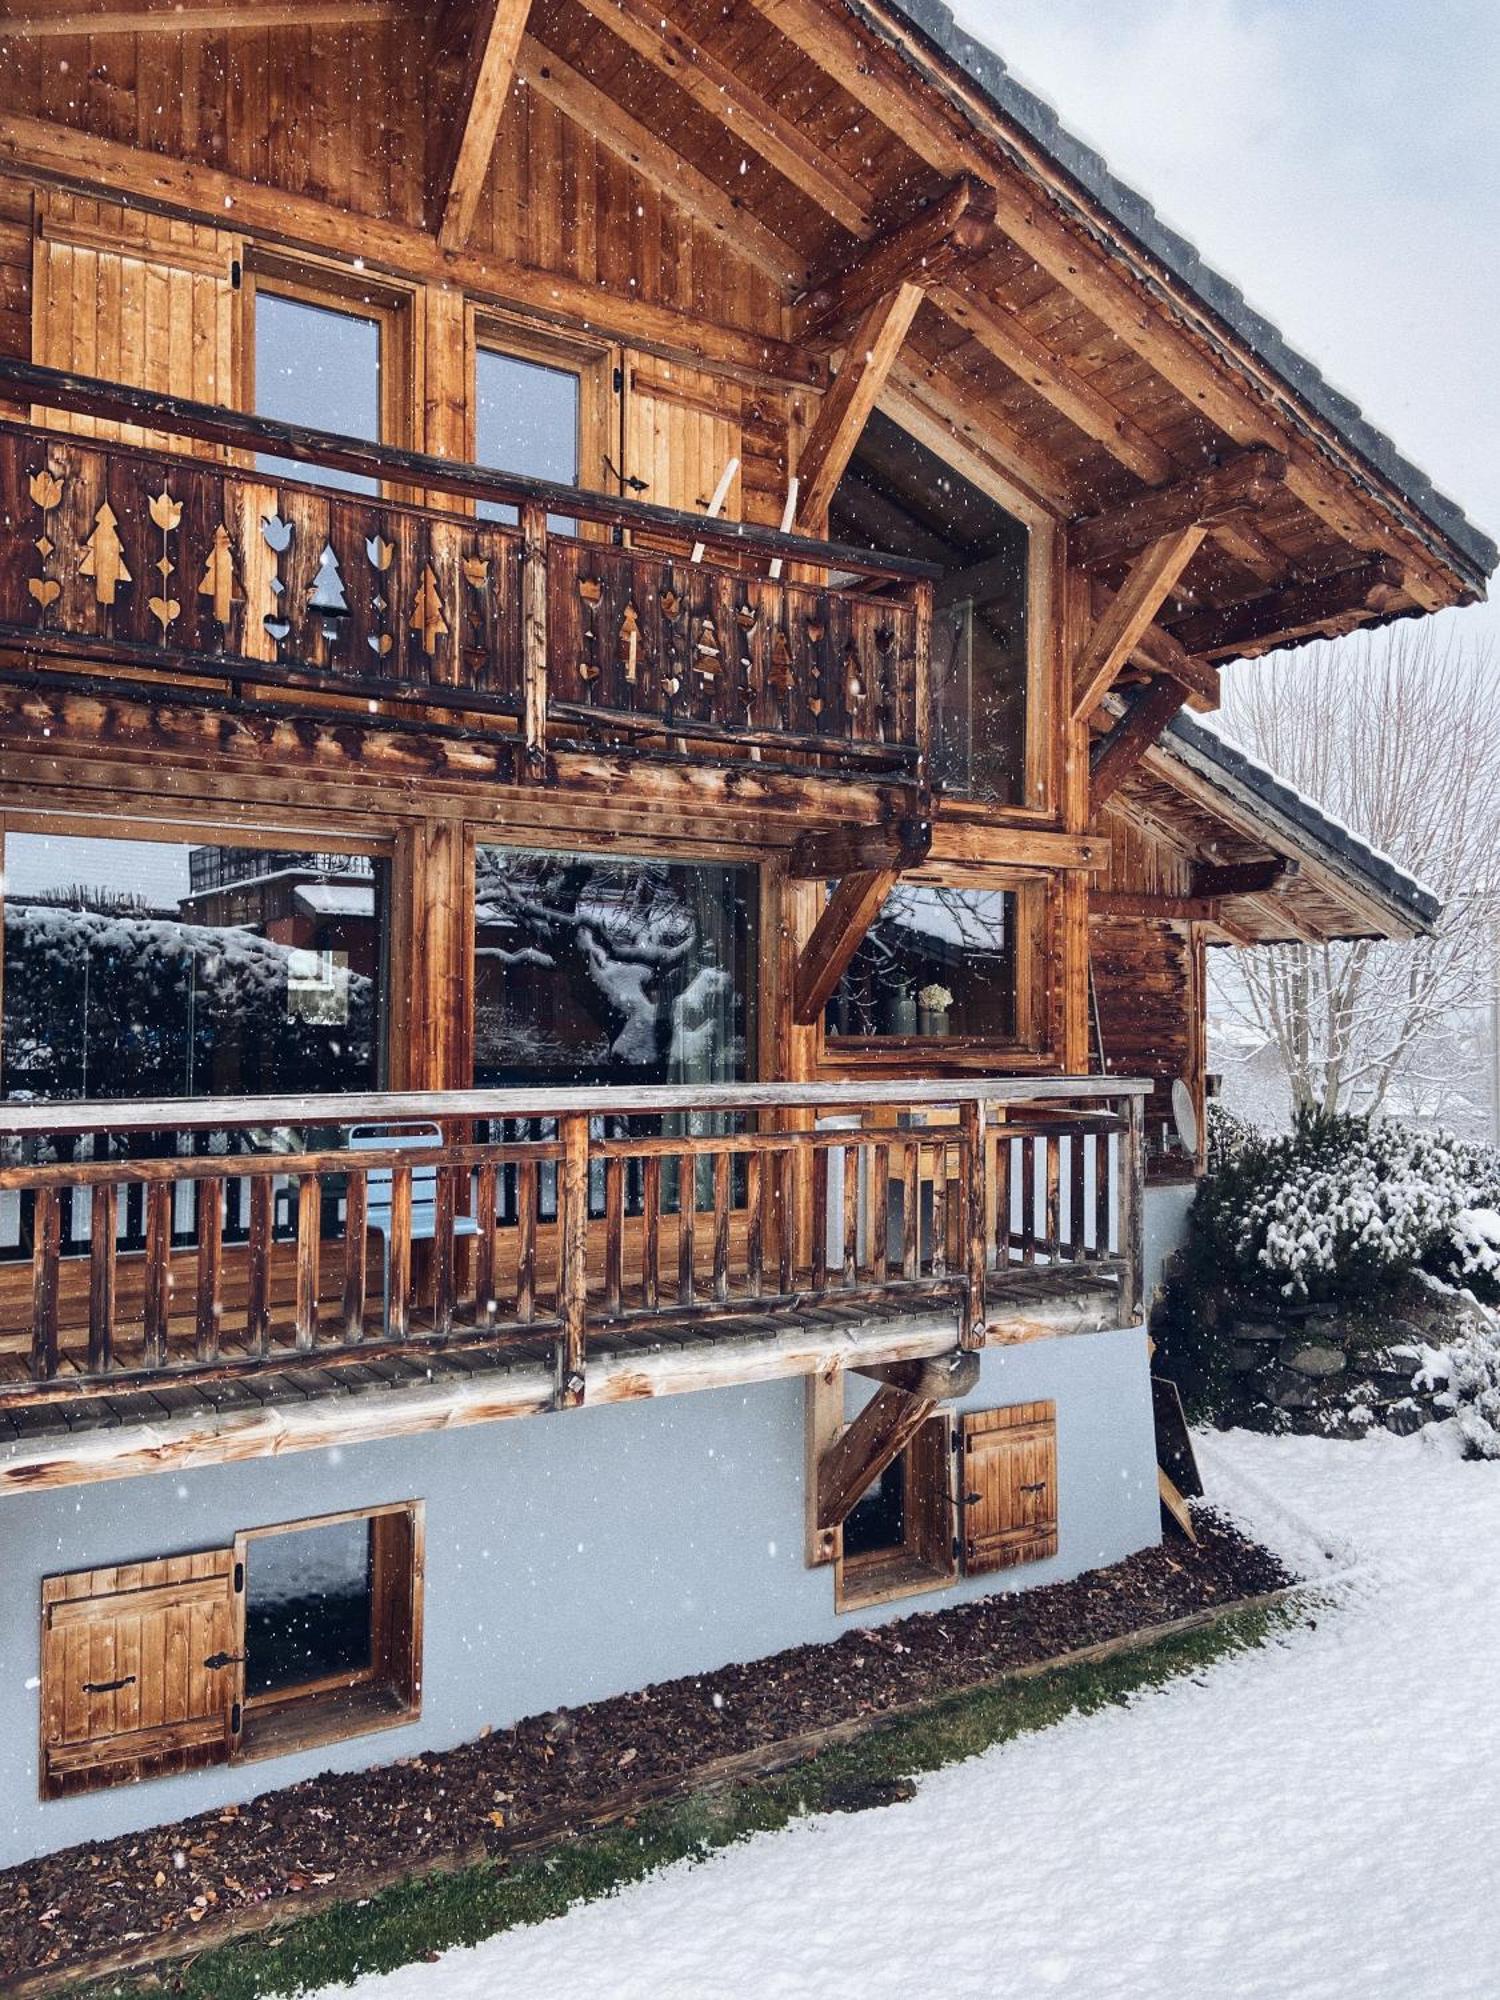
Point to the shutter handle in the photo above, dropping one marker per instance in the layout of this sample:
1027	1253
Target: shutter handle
1036	1486
108	1687
217	1660
969	1499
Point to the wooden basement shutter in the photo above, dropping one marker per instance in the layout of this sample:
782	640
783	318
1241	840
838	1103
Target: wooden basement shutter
136	298
1008	1471
141	1670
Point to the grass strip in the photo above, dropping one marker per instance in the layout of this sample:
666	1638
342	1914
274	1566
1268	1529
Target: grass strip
432	1913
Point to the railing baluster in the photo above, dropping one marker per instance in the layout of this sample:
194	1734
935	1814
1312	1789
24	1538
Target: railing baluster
484	1248
1076	1180
309	1231
1001	1158
1102	1148
975	1220
651	1232
573	1256
940	1209
258	1260
880	1211
821	1162
1132	1208
46	1250
687	1226
398	1268
850	1271
614	1235
208	1303
356	1251
722	1164
755	1224
1028	1200
528	1190
1052	1176
102	1221
158	1271
445	1210
911	1209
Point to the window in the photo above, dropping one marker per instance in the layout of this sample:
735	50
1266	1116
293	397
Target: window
526	420
145	969
898	1538
318	365
593	971
937	962
298	1634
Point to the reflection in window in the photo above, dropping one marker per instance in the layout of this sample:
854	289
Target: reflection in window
525	421
308	1605
320	368
143	969
936	961
590	971
979	675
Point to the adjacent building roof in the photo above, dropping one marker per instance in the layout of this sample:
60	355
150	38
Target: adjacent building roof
1021	107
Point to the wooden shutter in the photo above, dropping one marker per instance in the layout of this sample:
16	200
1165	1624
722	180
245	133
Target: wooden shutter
682	427
930	1496
141	1673
135	298
1009	1475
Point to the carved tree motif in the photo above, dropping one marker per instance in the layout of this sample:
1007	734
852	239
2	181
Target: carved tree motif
427	619
671	607
104	556
46	492
630	642
747	618
590	590
854	685
167	514
217	581
326	597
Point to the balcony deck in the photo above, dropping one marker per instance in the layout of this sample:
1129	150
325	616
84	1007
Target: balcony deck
578	1243
185	557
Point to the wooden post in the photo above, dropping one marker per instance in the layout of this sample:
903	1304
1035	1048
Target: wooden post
973	1158
824	1419
572	1253
1132	1209
534	644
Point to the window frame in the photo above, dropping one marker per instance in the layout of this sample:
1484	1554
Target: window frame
595	364
878	1576
321	1711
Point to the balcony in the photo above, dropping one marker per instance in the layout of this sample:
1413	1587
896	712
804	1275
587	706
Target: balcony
590	624
198	1244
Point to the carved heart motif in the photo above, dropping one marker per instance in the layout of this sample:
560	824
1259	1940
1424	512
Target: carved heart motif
164	610
44	589
380	644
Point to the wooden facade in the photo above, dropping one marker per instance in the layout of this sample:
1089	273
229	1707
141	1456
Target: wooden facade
740	237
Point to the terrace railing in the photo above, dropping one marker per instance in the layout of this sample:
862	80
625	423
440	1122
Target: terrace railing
582	621
186	1240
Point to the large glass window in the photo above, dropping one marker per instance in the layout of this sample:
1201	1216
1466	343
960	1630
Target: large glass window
318	366
145	969
595	971
526	418
936	962
308	1598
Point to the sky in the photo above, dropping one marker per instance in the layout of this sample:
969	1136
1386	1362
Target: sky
1339	160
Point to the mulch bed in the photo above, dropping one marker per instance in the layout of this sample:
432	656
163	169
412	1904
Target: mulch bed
337	1834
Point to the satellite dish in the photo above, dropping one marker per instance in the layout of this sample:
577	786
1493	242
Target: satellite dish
1185	1116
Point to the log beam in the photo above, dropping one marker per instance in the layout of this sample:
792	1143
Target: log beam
488	72
838	934
1244	878
941	1378
1242	484
171	19
878	1435
1280	618
1152	908
1116	635
1116	755
845	410
922	250
848	850
1162	654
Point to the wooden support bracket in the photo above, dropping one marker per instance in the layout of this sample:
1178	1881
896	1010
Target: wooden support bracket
1116	755
848	914
845	410
1280	617
1244	878
488	75
922	250
1242	484
881	1431
847	850
942	1378
1116	635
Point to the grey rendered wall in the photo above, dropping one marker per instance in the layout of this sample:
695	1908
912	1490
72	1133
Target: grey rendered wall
1166	1229
567	1557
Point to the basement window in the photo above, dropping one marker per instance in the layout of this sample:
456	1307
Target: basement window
898	1538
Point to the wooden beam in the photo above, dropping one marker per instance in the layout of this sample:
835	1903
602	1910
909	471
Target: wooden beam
173	19
941	1378
1279	618
1152	908
598	114
720	90
1244	878
42	148
1116	635
488	72
1242	484
965	430
1115	756
848	914
845	410
849	850
1158	650
920	250
878	1435
1005	335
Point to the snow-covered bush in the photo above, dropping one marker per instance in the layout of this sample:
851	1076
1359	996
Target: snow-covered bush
1341	1207
1473	1391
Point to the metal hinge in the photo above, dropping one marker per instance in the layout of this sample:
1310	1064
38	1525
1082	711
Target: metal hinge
239	1578
217	1660
236	274
234	1720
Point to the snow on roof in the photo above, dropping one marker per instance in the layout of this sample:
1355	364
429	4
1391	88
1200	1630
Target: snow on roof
337	899
1022	107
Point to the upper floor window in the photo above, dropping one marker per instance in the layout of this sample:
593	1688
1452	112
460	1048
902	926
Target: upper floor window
527	420
319	365
938	962
902	499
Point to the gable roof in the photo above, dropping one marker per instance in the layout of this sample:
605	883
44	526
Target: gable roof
1013	102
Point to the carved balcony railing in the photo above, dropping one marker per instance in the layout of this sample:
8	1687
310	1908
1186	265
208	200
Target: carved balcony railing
196	560
182	1241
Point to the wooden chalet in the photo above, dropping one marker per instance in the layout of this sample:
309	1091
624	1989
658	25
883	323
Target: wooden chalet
594	610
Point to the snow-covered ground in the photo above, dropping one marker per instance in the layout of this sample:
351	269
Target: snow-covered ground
1318	1820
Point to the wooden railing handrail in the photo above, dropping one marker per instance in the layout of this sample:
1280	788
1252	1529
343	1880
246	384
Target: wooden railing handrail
69	1119
234	430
